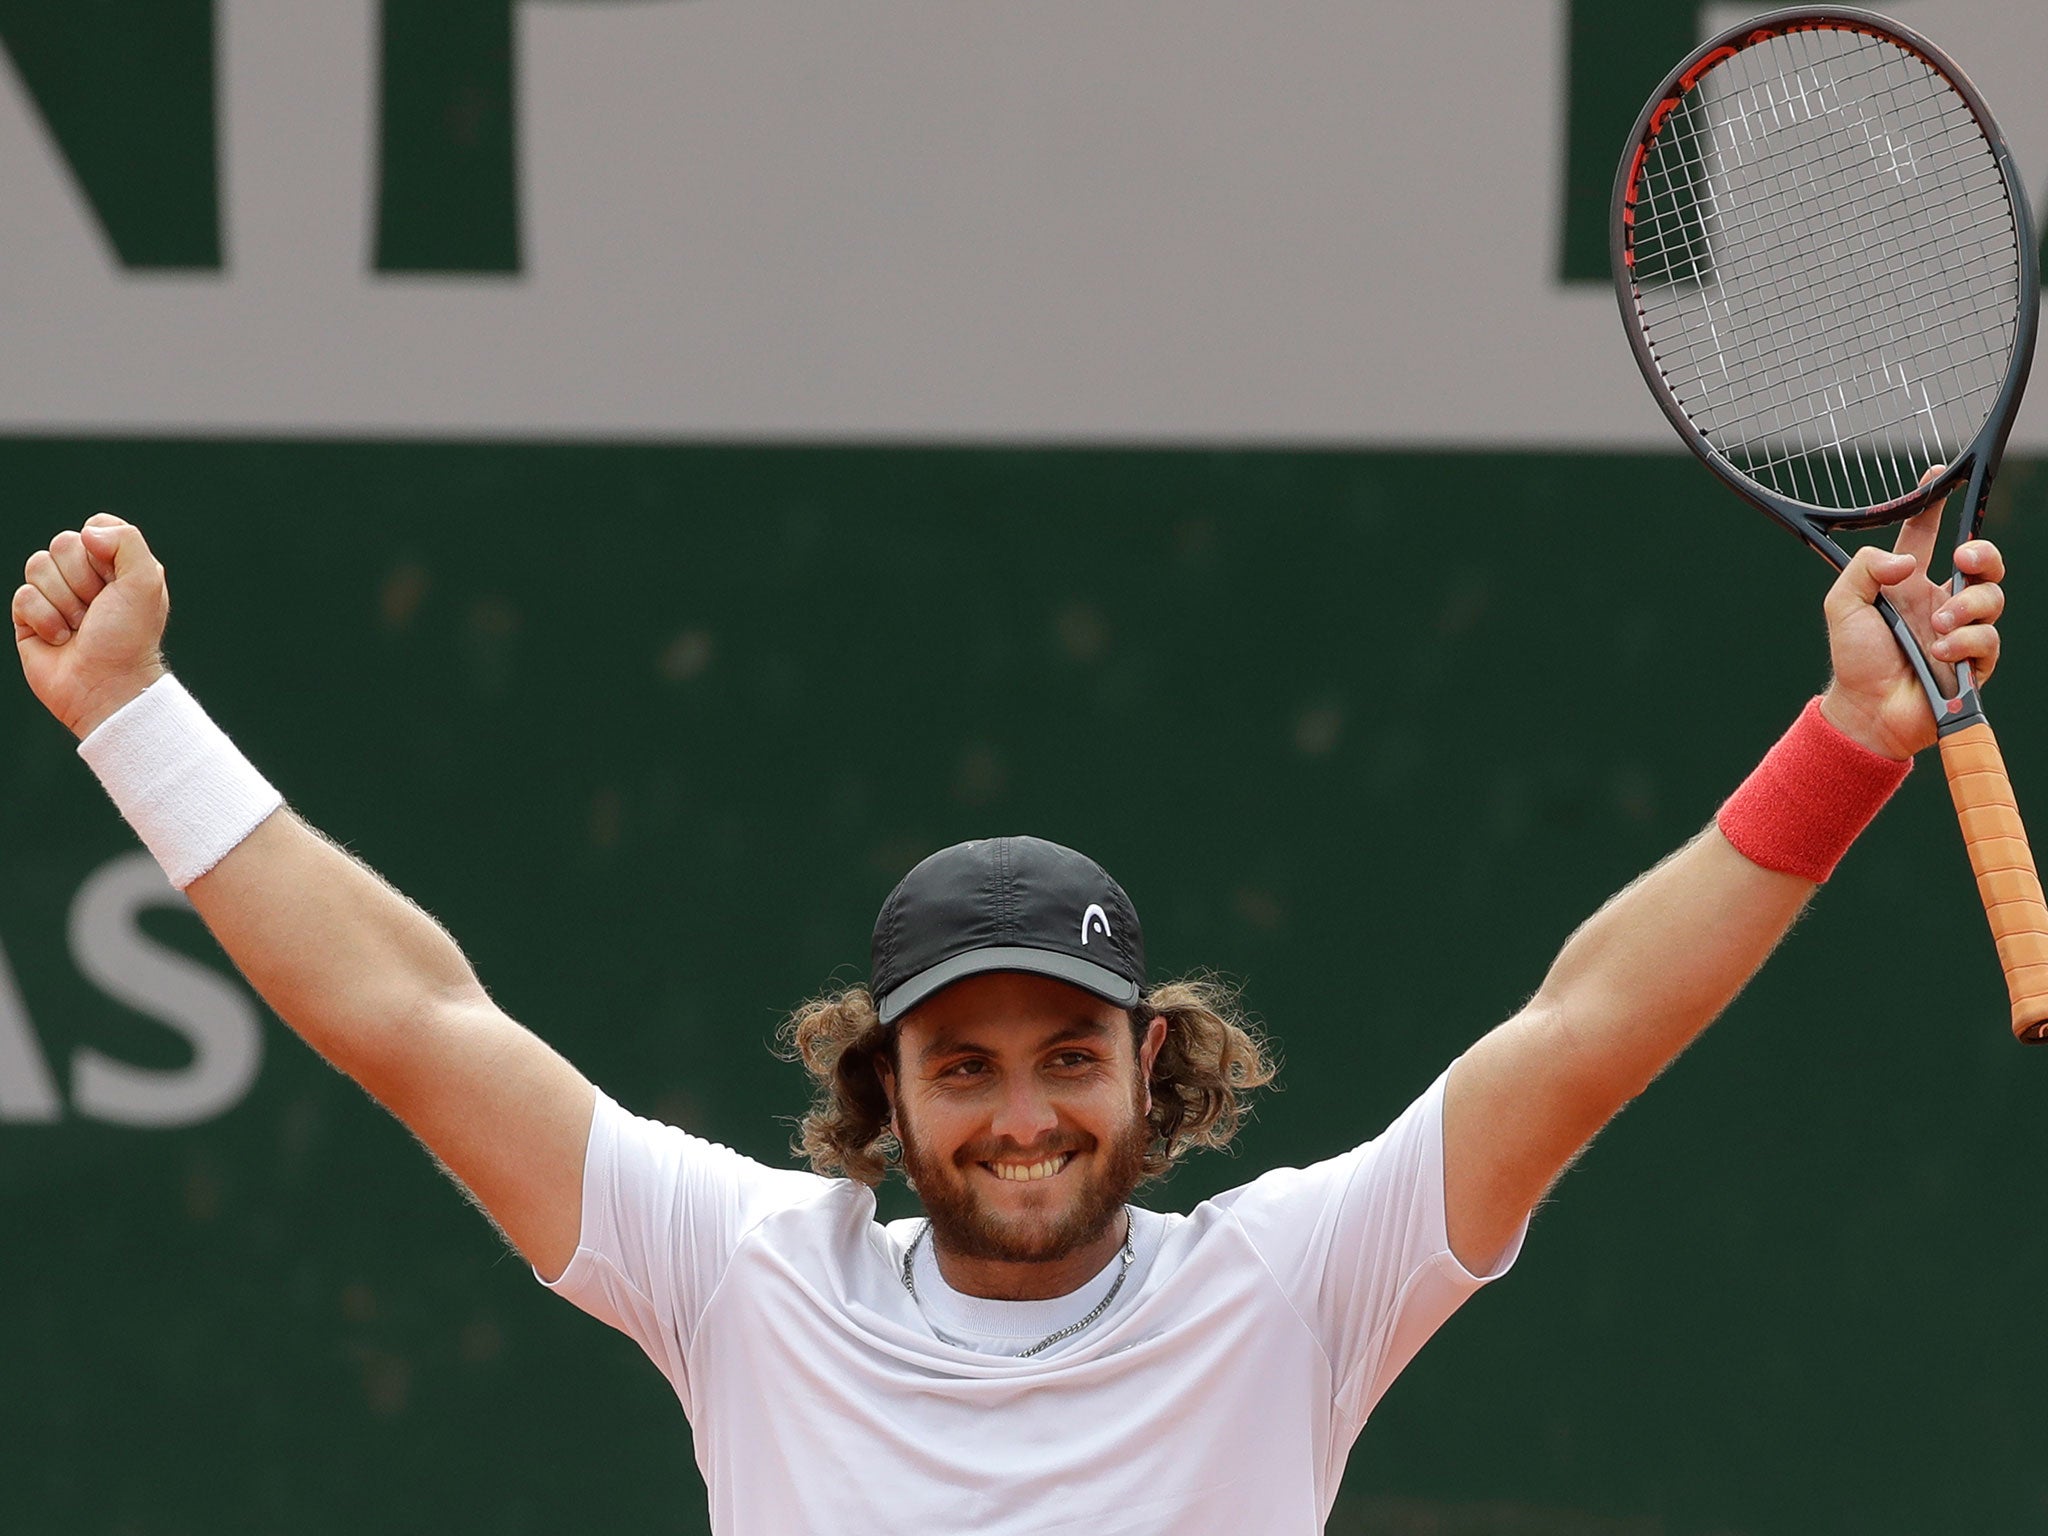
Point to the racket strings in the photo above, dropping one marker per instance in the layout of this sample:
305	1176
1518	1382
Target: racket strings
1830	304
1960	358
1812	322
1827	265
1821	209
1670	179
1701	125
1825	305
1961	361
1694	247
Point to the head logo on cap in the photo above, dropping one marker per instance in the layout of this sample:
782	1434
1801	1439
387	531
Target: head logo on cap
1097	916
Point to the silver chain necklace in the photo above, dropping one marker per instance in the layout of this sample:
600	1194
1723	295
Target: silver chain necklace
1130	1253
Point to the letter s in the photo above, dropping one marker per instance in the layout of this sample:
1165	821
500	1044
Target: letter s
216	1016
27	1092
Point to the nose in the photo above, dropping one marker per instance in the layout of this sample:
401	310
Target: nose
1024	1115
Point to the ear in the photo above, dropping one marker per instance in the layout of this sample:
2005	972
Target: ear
1148	1052
885	1074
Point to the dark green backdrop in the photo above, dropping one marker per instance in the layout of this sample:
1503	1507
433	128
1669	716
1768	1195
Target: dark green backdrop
653	729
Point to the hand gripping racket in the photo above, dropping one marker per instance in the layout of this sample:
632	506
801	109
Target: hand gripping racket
1829	277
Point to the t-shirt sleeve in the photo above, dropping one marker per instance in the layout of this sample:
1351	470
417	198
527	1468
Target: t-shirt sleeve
663	1212
1359	1246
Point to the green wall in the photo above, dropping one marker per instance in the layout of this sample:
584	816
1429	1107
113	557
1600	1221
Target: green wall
654	729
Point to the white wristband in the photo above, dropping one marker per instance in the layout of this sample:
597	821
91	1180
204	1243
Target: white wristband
182	785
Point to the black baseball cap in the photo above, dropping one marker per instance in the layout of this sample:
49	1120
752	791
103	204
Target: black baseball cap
1006	904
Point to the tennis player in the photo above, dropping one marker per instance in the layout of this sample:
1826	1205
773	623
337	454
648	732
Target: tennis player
1037	1353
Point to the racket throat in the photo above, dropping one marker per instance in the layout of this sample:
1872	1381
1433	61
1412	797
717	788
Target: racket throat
1952	711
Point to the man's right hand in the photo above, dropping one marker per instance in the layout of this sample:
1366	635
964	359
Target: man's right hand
89	621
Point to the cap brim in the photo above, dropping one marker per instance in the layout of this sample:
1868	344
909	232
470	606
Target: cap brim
1085	974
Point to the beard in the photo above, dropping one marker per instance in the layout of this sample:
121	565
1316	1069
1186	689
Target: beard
963	1224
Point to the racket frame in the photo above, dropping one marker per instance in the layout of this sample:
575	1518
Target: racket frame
1976	464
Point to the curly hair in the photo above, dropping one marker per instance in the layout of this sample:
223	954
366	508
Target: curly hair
1214	1055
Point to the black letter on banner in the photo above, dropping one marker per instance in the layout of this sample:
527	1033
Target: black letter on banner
1619	50
127	89
447	159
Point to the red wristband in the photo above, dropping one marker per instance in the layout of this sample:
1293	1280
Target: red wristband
1809	797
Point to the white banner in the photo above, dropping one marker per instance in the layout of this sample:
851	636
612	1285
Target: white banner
1251	221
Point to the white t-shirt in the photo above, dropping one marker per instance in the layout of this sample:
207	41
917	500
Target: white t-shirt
1220	1393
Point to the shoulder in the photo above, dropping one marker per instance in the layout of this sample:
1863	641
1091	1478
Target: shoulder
1408	1150
634	1152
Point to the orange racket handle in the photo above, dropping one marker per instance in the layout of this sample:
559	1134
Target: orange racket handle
2004	865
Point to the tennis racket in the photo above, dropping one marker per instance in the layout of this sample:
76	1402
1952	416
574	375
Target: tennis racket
1828	274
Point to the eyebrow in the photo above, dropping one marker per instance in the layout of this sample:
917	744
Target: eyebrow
958	1045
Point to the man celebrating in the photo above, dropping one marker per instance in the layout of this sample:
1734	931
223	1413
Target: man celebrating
1036	1354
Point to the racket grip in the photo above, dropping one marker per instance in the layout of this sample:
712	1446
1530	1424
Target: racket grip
2004	866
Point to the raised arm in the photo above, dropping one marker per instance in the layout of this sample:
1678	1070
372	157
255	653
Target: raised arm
368	979
1659	962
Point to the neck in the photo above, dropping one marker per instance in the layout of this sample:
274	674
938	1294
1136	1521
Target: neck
1031	1279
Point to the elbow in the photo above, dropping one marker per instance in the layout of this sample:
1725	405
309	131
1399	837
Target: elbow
389	1050
1591	1057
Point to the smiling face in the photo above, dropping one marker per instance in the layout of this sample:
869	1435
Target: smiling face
1020	1104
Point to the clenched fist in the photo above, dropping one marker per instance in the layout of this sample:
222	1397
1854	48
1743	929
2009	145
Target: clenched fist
89	621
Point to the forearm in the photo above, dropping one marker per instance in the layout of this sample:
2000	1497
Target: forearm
1657	964
344	959
1661	960
1649	971
368	979
1630	990
373	984
353	966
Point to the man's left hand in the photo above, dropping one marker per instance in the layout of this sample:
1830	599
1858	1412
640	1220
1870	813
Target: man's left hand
1875	697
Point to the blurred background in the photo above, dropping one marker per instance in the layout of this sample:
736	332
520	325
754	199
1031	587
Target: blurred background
642	475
